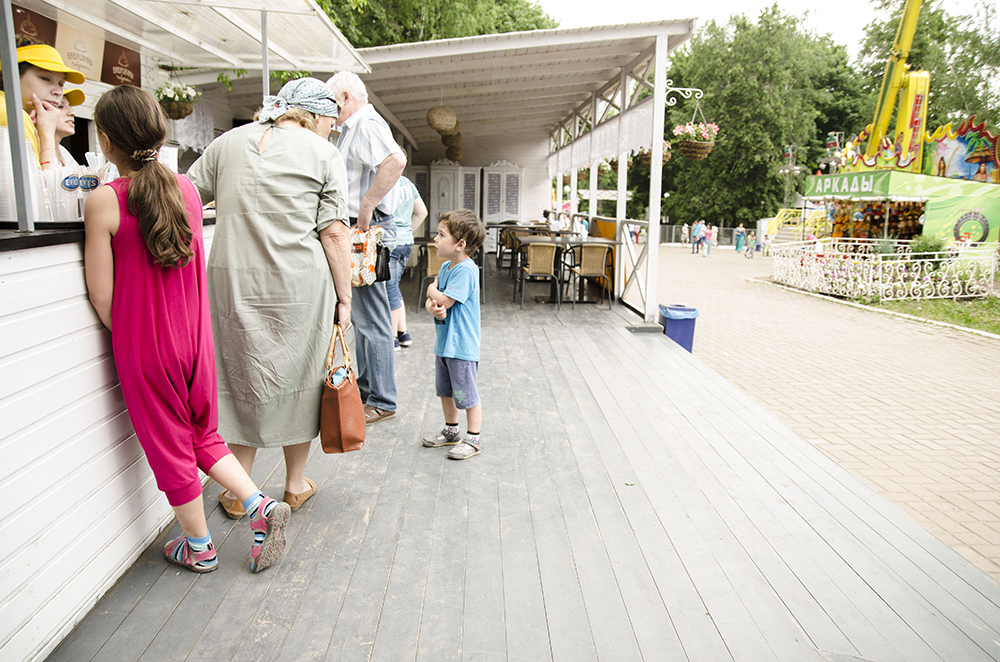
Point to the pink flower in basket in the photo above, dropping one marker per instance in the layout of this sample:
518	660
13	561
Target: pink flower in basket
701	132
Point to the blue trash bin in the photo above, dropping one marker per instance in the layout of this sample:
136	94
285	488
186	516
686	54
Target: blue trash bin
678	323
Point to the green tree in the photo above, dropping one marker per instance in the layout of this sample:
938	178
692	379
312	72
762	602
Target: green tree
383	22
767	84
962	54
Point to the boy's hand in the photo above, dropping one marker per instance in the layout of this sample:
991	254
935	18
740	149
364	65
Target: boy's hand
437	310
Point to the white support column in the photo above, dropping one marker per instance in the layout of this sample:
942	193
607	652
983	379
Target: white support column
622	181
23	207
656	177
592	203
559	174
574	207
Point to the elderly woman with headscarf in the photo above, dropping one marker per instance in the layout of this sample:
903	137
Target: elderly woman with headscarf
279	270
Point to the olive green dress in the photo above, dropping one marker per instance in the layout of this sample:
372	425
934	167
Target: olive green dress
270	288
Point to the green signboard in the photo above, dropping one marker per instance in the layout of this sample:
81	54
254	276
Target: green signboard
954	207
849	185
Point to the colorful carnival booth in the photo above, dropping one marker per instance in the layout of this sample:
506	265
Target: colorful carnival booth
900	205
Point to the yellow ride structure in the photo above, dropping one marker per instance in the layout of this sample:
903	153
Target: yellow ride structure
911	88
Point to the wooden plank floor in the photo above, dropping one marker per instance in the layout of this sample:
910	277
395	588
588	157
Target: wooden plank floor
629	505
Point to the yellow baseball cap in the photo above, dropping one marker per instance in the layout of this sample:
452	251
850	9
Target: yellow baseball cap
74	97
48	58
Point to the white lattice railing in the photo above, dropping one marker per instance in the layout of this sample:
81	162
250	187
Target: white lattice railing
884	269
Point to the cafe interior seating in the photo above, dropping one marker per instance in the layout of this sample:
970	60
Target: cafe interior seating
592	262
539	264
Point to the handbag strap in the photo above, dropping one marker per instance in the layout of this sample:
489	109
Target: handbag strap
338	332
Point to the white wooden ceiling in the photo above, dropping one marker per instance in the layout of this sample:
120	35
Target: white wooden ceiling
521	82
220	34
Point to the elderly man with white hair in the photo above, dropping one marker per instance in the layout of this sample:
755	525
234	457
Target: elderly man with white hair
374	163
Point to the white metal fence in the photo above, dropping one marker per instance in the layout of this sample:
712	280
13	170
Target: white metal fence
876	269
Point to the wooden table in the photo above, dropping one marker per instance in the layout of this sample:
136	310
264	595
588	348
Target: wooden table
562	244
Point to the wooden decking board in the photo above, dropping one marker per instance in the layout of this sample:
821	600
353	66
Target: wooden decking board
399	626
651	623
748	640
889	542
312	631
779	436
733	501
859	593
602	603
923	624
441	624
571	630
125	596
653	447
708	578
221	624
396	637
527	633
737	540
357	624
267	632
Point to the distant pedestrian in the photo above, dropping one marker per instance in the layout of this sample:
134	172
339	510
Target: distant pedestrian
715	236
706	240
741	238
766	246
453	300
409	214
751	244
685	235
698	234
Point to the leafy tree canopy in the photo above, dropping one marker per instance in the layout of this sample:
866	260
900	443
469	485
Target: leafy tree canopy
962	54
767	84
384	22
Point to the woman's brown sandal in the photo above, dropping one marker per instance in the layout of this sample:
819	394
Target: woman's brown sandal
233	507
296	500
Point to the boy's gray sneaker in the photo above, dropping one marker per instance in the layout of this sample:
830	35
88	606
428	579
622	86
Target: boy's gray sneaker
464	450
442	438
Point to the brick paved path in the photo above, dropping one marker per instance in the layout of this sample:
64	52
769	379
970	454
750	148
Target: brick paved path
910	407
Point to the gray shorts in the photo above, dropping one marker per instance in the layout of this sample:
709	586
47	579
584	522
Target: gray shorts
456	379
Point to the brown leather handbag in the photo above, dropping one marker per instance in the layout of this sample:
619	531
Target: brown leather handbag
341	414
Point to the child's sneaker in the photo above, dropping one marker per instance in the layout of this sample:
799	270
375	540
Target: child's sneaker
395	344
179	551
443	438
465	450
269	533
404	339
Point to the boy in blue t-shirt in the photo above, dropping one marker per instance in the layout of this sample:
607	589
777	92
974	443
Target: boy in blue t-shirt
453	300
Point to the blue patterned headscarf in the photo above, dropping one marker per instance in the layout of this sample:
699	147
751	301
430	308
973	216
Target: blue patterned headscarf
305	93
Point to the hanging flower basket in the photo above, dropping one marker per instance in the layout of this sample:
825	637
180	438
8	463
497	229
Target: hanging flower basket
647	155
176	110
695	150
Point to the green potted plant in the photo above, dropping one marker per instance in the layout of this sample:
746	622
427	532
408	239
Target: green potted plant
177	100
696	140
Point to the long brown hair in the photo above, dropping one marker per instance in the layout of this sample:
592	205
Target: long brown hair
132	120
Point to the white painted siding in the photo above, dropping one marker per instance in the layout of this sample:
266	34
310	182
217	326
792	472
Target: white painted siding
80	502
528	151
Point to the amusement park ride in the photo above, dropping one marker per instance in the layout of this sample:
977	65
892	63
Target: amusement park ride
913	182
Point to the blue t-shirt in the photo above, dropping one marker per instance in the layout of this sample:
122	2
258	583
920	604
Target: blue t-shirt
403	216
458	333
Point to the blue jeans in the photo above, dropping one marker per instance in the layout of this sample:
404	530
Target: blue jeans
374	356
397	264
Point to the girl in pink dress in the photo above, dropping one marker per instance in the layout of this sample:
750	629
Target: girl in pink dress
145	269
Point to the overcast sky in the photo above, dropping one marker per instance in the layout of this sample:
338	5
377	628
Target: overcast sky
844	19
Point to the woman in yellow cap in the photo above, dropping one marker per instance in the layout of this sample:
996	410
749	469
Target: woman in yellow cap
42	74
66	126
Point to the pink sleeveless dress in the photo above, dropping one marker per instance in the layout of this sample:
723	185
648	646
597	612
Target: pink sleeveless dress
164	352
